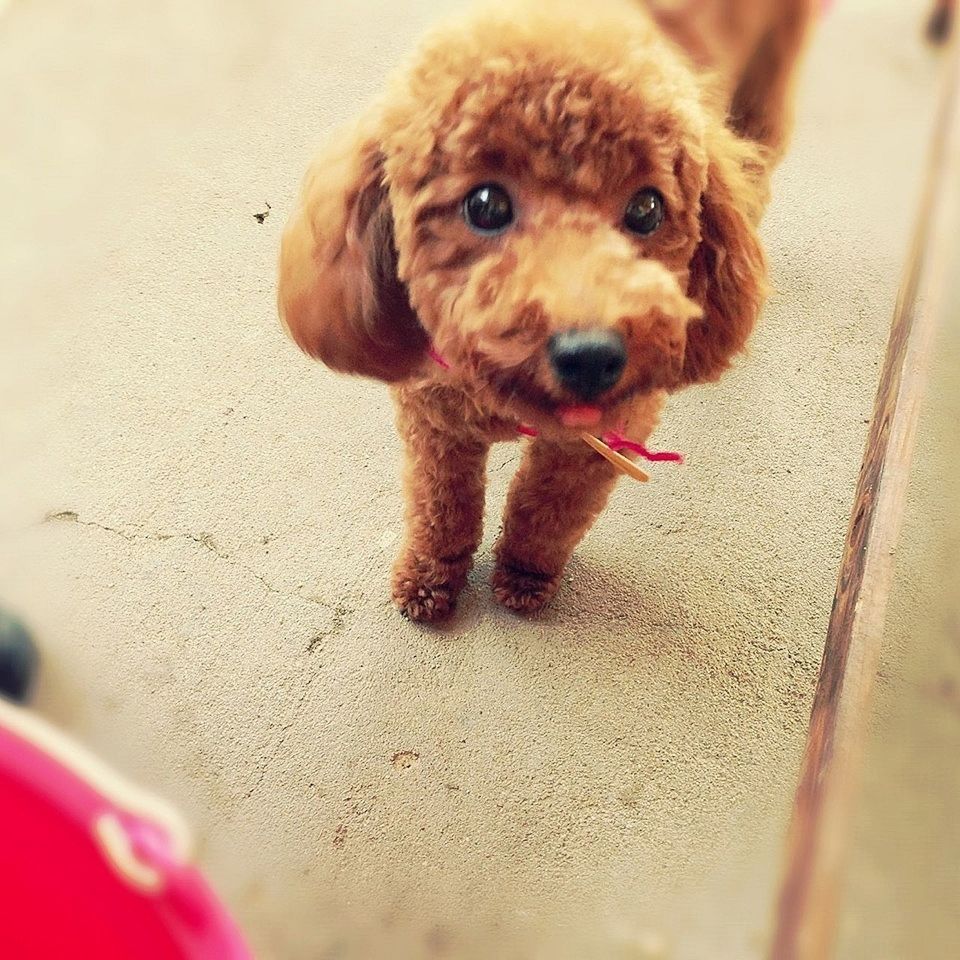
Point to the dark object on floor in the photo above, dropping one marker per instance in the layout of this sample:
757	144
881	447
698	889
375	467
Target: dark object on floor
941	22
18	659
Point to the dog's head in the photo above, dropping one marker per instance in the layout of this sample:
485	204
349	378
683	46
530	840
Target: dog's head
548	201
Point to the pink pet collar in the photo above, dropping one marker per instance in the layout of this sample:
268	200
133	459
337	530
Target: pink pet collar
611	445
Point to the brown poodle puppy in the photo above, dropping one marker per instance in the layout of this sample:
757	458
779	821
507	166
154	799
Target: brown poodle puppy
560	200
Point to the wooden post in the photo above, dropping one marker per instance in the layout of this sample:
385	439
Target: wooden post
824	808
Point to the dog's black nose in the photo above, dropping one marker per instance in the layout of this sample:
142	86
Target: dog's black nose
588	362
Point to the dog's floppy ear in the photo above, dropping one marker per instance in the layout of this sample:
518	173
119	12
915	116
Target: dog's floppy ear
339	294
728	270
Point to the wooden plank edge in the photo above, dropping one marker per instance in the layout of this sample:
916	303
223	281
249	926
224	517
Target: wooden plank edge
818	838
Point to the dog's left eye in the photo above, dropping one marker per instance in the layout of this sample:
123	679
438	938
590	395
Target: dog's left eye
488	209
645	212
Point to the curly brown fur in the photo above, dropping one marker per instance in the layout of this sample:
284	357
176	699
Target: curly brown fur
572	112
556	495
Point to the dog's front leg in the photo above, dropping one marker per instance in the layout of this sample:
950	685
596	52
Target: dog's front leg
554	500
445	476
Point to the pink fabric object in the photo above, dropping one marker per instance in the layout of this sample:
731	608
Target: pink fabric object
438	359
618	442
63	893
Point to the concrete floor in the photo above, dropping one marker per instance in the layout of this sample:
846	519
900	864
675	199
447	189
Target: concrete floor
199	522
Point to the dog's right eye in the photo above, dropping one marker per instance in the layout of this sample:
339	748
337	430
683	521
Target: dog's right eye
645	212
488	209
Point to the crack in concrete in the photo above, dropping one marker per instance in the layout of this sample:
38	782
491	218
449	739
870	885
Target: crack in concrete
340	614
204	540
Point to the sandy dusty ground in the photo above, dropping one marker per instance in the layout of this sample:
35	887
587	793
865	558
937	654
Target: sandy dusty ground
199	522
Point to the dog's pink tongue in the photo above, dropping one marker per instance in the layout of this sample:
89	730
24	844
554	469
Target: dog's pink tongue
580	416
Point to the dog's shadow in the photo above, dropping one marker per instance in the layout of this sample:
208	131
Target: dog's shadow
595	603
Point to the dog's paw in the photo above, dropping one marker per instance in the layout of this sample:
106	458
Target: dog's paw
523	591
424	604
426	591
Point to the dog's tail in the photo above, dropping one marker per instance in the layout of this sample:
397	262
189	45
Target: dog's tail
762	105
941	22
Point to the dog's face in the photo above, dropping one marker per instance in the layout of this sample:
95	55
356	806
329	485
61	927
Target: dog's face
554	215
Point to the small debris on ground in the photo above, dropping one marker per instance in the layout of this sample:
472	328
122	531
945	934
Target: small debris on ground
405	759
